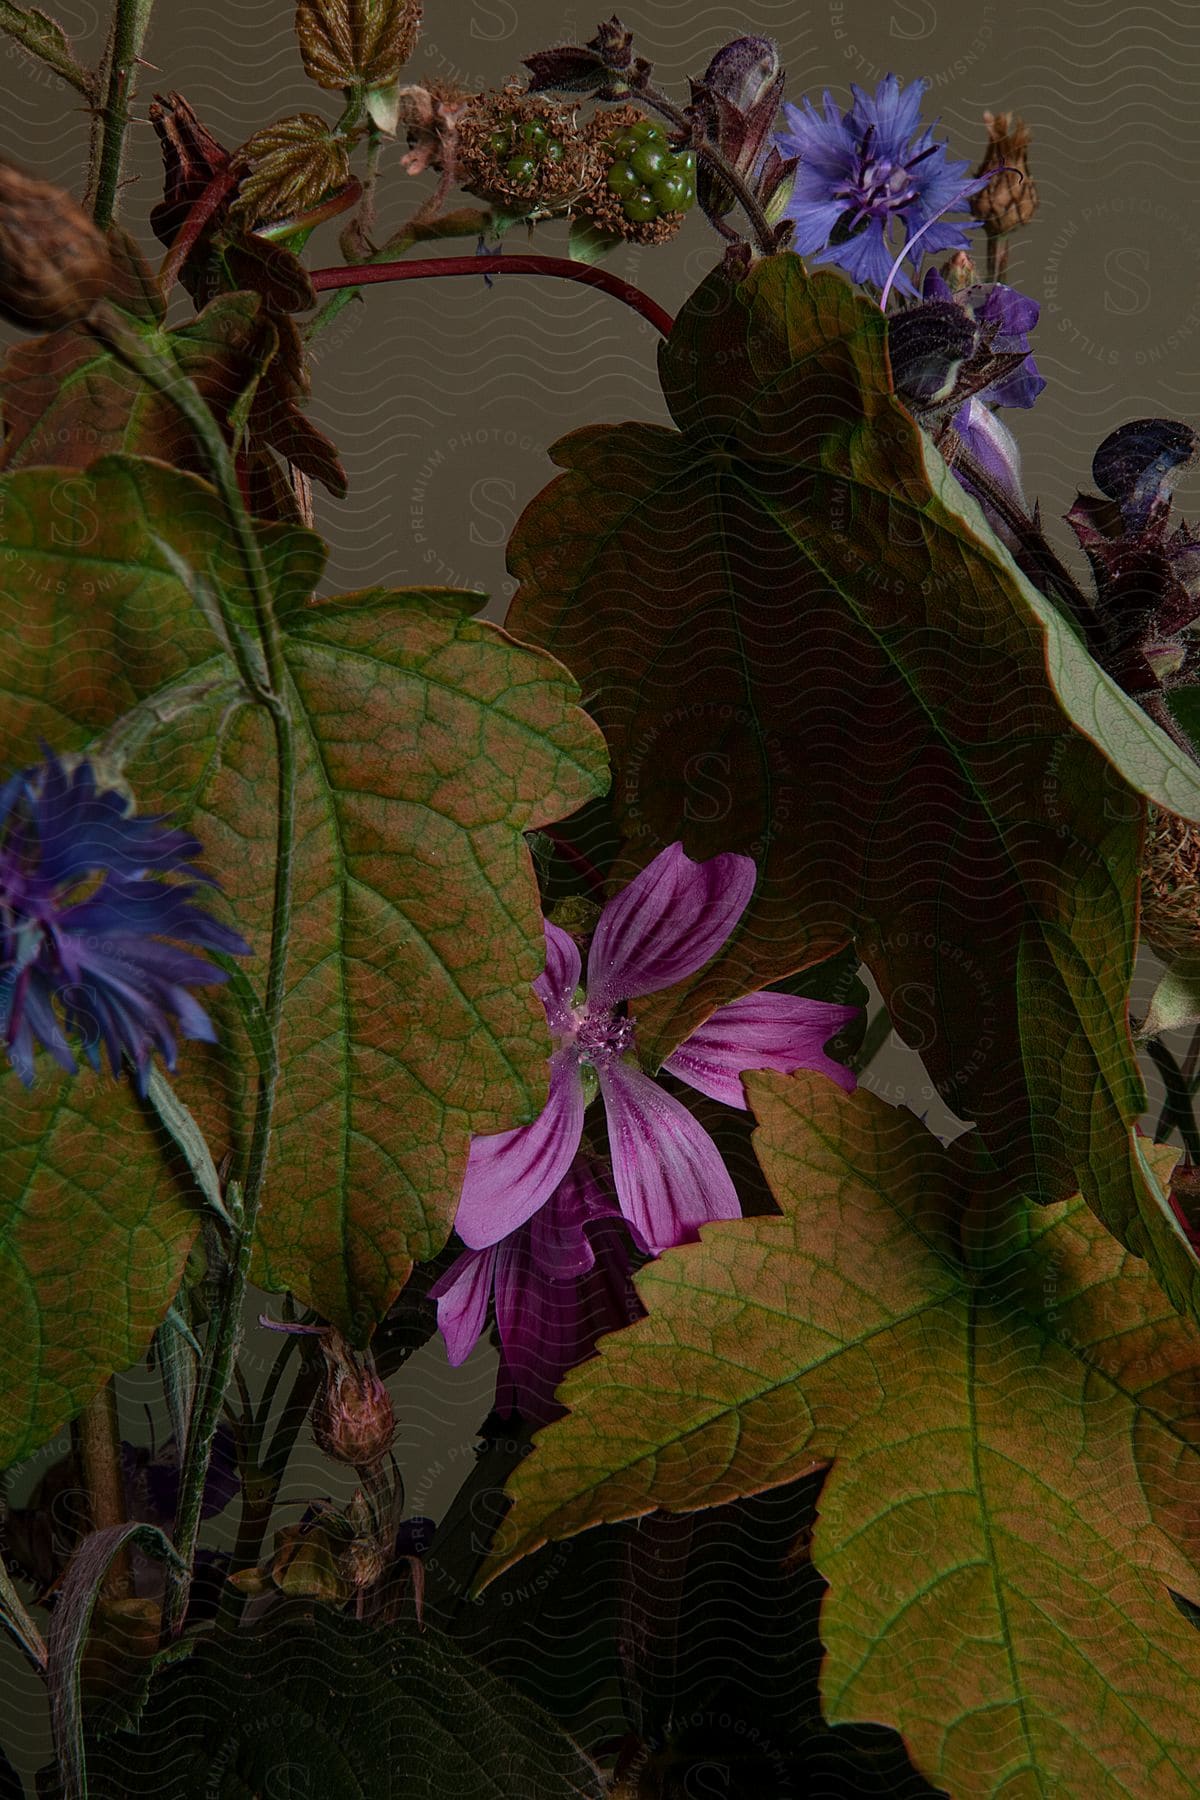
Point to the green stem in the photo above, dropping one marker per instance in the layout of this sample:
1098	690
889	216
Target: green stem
49	46
130	22
261	665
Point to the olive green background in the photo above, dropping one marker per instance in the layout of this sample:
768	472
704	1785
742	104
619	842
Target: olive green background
444	397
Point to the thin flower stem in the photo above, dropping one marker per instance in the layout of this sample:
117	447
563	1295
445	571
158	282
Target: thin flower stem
263	670
13	1614
365	274
127	34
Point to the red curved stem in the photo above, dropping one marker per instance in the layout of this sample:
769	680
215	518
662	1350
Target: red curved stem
362	274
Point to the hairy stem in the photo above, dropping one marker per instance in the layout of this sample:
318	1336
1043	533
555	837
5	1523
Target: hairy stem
28	31
261	666
99	1439
364	274
127	34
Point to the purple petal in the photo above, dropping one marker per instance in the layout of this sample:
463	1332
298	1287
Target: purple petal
511	1173
761	1031
669	1174
558	1239
672	918
556	986
462	1296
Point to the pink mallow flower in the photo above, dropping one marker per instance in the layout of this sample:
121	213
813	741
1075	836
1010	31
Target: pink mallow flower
560	1281
670	1178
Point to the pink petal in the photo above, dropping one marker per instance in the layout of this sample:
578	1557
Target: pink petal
462	1296
672	918
669	1174
762	1031
556	987
511	1173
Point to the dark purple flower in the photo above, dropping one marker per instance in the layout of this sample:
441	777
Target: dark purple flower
671	919
870	180
83	919
559	1281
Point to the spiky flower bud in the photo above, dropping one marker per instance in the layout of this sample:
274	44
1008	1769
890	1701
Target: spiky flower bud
1011	199
641	188
521	153
54	264
353	1420
1171	884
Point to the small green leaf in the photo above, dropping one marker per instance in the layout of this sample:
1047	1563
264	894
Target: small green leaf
587	245
1175	1003
314	1700
294	164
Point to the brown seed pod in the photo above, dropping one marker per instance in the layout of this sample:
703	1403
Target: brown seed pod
352	1418
521	152
1011	198
599	205
1171	884
54	264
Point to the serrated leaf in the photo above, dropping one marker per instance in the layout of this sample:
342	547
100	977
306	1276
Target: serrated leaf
349	1711
428	743
294	164
804	643
1008	1405
67	400
345	43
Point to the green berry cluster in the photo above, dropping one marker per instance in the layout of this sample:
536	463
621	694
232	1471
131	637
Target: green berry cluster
647	176
524	146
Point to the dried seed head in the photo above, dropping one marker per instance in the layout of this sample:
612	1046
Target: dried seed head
1011	199
353	1420
640	187
54	264
521	152
1171	884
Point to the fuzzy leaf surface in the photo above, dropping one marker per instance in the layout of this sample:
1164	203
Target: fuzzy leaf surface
1009	1409
804	643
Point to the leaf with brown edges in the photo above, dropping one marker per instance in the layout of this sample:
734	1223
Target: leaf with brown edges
1009	1405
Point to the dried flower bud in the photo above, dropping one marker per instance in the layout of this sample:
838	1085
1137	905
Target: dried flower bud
640	187
54	264
958	271
1011	199
1171	884
353	1419
348	42
521	153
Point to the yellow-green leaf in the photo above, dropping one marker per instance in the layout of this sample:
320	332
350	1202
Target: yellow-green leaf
1008	1403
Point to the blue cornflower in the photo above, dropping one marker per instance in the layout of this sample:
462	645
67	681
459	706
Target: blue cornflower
864	171
83	913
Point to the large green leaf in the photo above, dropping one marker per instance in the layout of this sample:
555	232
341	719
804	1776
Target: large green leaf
428	743
1008	1402
803	642
311	1702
